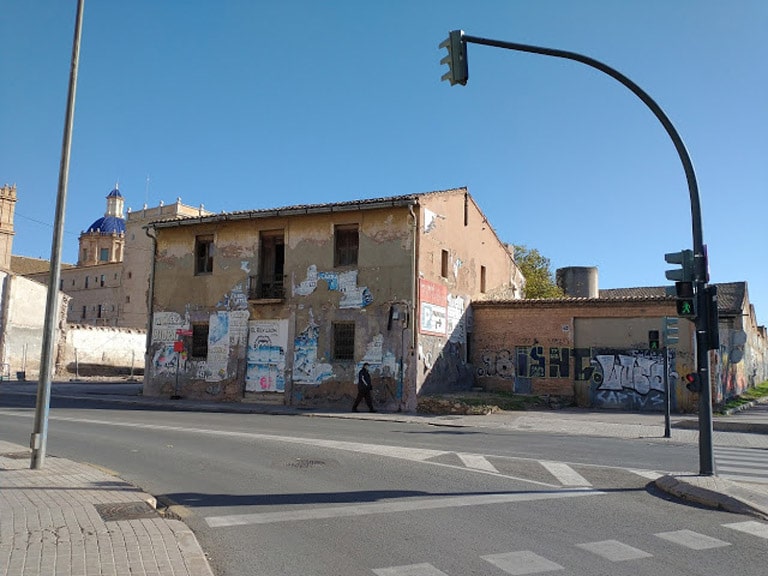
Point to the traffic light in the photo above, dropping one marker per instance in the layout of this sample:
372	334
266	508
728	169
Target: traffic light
693	382
458	71
653	340
686	300
685	272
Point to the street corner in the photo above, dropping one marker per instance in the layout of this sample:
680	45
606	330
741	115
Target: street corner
717	493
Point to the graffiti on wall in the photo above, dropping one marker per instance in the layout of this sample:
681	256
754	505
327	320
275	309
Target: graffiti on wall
306	367
265	358
165	325
235	299
352	295
627	379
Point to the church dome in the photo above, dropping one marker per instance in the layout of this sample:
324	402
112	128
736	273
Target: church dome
107	225
112	222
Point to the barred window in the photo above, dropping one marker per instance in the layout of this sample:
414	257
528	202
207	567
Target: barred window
343	340
347	241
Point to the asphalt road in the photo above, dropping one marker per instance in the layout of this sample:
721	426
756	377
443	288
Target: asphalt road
293	495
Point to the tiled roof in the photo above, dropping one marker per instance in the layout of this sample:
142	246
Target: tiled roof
730	295
350	205
23	265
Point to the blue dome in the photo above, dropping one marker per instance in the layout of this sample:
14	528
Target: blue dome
115	194
108	225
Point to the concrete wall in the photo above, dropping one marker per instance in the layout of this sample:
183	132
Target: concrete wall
100	351
22	311
594	351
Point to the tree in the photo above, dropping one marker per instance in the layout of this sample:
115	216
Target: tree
539	280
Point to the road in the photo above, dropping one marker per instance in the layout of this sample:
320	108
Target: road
296	495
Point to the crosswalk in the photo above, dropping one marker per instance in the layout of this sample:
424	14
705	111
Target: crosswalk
742	464
544	472
518	562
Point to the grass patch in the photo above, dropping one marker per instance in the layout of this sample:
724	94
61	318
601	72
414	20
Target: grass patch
759	391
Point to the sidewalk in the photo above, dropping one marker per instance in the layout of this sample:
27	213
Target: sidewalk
76	520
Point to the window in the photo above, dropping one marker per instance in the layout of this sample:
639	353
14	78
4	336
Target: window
128	299
482	279
61	284
102	281
343	341
130	275
85	255
269	283
347	241
444	264
98	313
199	340
85	312
86	281
204	255
104	255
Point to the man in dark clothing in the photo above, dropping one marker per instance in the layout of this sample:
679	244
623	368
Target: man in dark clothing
364	388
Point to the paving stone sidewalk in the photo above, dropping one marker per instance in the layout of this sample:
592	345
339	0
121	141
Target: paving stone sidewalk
71	519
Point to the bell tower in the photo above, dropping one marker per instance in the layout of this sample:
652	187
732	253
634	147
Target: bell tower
7	208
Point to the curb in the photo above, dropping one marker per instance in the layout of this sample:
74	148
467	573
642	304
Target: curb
714	492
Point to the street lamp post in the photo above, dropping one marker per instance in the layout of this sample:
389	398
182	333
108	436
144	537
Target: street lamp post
703	321
39	438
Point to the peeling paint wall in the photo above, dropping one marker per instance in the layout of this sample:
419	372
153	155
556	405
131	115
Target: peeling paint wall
284	346
460	259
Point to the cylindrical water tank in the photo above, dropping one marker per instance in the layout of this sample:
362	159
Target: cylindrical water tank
578	281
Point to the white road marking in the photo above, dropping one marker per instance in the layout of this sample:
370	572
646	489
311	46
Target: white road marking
752	527
390	507
566	475
692	540
614	550
476	462
523	562
410	570
649	474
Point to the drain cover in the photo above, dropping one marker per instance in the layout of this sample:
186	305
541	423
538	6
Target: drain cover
305	463
125	511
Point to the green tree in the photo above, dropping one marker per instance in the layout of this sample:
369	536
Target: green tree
539	280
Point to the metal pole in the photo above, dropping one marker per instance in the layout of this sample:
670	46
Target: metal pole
39	438
667	397
706	454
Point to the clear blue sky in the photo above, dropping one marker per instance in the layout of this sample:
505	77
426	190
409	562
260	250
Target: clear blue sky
253	104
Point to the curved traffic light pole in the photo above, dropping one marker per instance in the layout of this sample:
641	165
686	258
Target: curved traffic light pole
706	457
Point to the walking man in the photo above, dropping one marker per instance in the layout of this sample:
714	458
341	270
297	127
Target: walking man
364	388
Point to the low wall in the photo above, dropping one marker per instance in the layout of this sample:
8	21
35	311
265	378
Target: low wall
101	351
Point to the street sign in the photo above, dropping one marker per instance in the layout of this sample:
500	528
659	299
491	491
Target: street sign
671	330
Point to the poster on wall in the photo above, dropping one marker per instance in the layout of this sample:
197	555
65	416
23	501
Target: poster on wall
433	309
265	358
218	347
